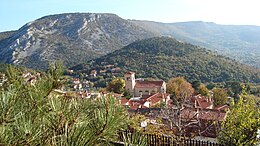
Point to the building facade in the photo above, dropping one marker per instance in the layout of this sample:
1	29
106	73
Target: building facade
139	87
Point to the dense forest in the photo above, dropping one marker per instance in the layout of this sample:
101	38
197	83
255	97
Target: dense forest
165	57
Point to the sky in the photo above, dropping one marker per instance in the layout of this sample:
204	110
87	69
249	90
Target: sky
15	13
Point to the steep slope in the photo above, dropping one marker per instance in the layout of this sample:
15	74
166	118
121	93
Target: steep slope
72	38
165	57
238	42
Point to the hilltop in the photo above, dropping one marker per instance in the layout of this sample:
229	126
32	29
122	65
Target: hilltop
72	38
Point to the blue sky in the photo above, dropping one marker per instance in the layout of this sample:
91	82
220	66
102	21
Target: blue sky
16	13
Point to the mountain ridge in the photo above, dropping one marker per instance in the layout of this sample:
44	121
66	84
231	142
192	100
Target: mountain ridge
78	37
240	42
71	37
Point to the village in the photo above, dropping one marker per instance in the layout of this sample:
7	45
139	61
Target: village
150	103
196	116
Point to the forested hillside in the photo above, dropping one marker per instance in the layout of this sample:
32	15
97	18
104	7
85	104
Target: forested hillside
239	42
165	57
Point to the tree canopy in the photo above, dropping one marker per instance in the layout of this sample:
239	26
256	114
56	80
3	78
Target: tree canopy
203	90
179	88
242	123
220	96
117	85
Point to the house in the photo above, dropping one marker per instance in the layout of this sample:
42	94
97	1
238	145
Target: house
93	73
146	101
201	102
116	69
76	81
3	79
139	87
203	122
70	71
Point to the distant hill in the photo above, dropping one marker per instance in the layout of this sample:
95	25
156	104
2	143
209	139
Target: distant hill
73	38
236	41
4	35
165	57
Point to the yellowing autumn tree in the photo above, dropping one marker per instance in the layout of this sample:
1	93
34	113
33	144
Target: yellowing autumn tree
117	85
203	90
179	88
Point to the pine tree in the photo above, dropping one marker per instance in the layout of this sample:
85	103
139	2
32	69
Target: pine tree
35	115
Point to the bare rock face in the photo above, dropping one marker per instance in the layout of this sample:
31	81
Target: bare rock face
72	38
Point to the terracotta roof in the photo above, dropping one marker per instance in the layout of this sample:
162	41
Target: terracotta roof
123	101
148	84
134	104
114	69
129	73
222	107
202	101
206	114
157	97
102	71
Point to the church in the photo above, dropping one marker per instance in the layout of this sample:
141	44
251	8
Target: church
140	87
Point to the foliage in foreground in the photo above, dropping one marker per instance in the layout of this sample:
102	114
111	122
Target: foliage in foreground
33	115
241	125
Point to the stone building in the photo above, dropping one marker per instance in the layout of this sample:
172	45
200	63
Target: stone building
139	87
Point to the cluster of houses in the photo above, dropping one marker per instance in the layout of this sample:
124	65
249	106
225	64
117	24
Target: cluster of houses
27	76
196	115
2	79
31	78
78	85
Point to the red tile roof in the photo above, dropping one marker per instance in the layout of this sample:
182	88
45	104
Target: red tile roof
129	73
134	103
139	102
202	101
148	84
123	101
157	97
205	114
222	107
